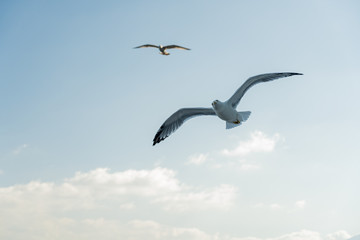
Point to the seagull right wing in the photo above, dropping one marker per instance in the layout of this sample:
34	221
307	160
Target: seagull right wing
175	46
147	45
177	119
235	99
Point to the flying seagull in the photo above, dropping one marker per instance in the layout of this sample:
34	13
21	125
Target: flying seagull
224	110
163	48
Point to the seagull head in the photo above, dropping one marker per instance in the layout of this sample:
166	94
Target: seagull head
215	103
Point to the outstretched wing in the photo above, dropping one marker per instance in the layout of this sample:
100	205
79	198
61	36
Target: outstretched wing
147	45
177	119
175	46
235	99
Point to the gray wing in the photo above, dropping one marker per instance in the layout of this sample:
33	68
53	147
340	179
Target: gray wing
235	99
175	46
177	119
146	45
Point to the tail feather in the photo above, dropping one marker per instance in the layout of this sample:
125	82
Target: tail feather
242	116
230	125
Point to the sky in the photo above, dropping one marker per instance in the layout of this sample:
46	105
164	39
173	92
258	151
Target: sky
80	107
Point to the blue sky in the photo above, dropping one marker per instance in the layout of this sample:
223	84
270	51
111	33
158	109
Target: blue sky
80	108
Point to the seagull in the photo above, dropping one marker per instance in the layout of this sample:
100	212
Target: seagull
224	110
163	48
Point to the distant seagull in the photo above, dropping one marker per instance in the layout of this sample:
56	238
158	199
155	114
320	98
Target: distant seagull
224	110
163	48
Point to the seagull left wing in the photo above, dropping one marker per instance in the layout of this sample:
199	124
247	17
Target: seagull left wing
177	119
175	46
235	99
147	45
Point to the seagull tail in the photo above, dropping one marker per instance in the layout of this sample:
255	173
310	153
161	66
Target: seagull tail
242	117
230	125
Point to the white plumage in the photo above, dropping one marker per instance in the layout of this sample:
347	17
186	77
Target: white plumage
224	110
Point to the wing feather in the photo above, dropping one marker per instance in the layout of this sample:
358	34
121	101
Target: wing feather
147	45
177	119
175	46
236	97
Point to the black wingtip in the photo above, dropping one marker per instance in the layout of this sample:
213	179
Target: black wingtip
157	137
157	140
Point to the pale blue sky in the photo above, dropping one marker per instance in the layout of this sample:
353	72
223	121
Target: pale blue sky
76	96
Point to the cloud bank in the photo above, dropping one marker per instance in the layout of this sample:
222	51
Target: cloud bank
95	189
98	205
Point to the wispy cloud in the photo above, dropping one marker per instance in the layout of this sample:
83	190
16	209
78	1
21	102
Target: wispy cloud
285	207
198	159
258	142
237	165
300	204
275	206
20	149
221	197
248	166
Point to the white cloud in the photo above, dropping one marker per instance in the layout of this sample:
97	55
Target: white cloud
198	159
47	210
248	166
221	197
301	235
259	205
340	235
241	165
130	182
155	230
99	188
300	203
275	206
20	149
105	229
259	142
99	205
311	235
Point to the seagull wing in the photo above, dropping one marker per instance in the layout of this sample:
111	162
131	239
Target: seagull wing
177	119
147	45
235	99
175	46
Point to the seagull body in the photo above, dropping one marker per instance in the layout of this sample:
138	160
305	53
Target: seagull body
162	48
224	110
